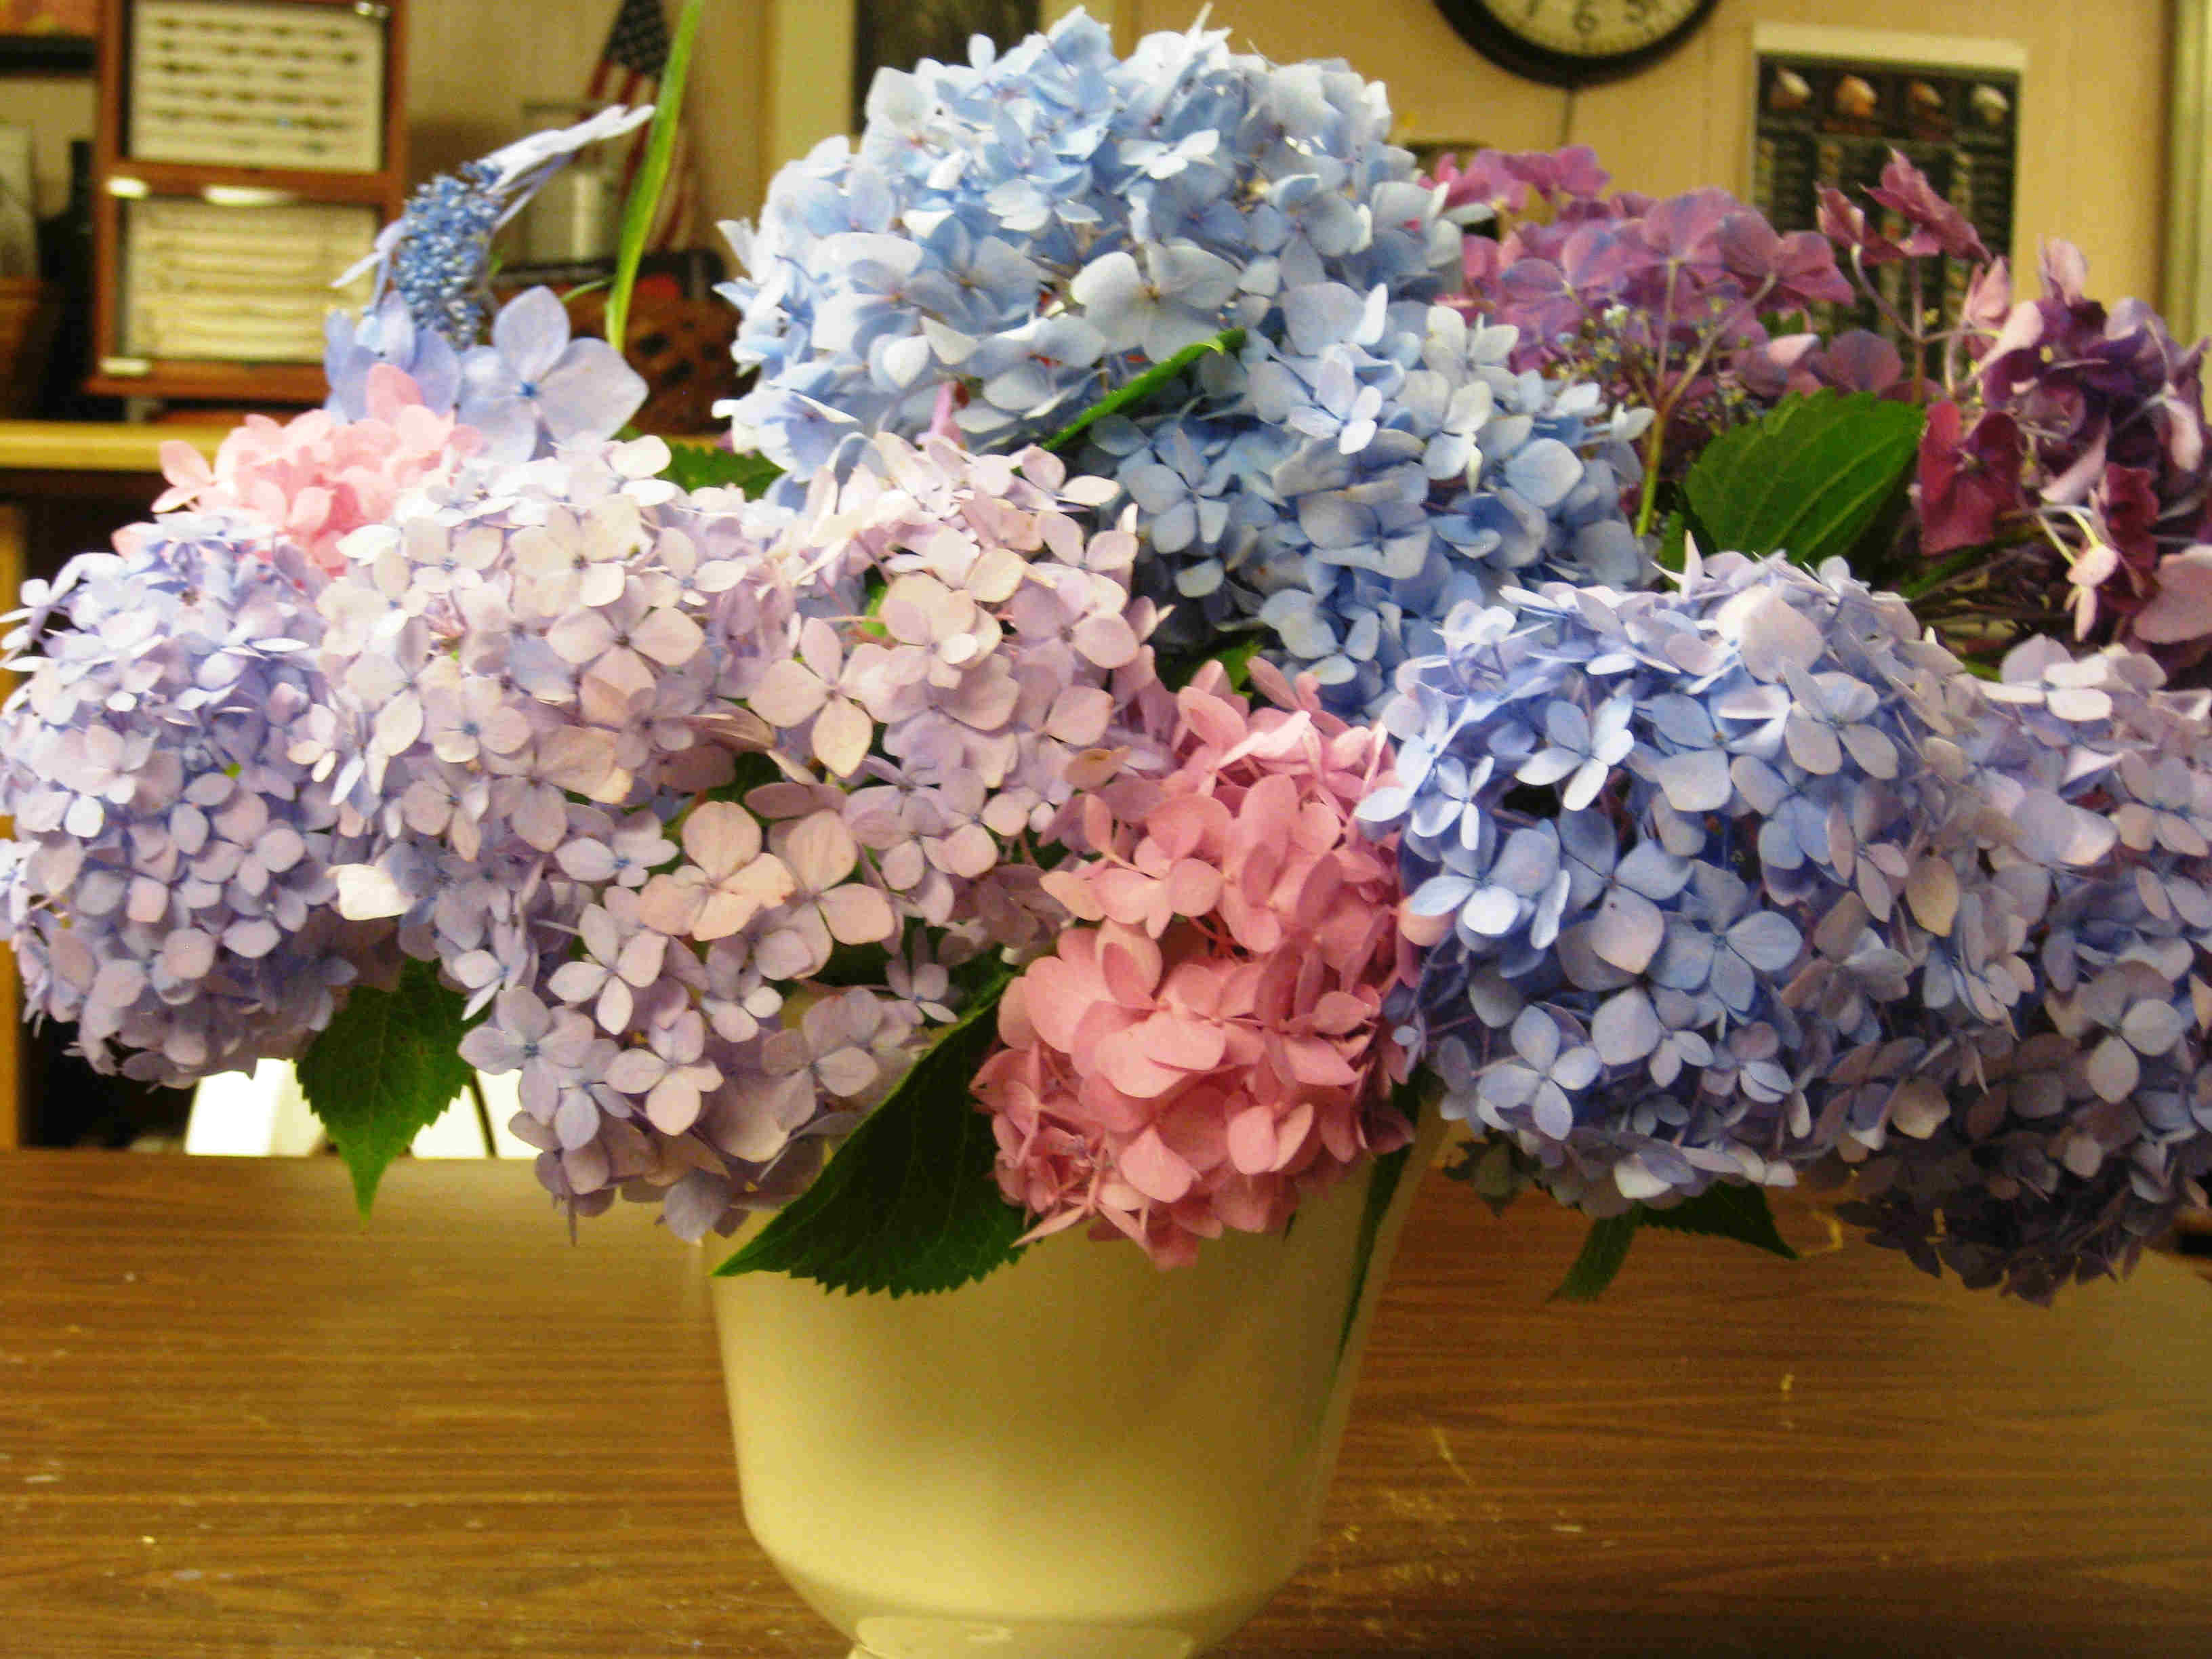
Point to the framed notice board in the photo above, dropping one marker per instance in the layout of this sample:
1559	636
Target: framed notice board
1832	103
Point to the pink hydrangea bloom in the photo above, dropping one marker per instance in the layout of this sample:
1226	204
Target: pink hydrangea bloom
1211	1046
317	477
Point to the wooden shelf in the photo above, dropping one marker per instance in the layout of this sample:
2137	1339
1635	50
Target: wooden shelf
194	377
94	447
192	178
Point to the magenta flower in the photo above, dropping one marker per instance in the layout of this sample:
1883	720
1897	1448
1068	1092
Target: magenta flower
1936	226
1966	484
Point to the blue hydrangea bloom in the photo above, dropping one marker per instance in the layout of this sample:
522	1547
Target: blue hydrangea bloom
436	256
1032	229
431	297
1360	478
1012	239
1682	861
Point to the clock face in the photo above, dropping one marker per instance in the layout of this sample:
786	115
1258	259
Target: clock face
1575	42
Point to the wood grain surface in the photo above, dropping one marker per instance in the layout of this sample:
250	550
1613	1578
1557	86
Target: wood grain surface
236	1420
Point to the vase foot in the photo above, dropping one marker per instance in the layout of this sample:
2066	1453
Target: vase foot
978	1638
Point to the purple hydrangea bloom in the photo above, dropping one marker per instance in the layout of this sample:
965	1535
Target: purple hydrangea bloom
1662	302
2083	427
169	885
2046	1148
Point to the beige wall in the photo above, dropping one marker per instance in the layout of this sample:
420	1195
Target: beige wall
2092	162
472	64
2093	149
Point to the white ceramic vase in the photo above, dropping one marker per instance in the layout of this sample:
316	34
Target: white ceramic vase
1080	1457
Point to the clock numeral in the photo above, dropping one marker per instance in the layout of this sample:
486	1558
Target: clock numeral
1586	18
1639	11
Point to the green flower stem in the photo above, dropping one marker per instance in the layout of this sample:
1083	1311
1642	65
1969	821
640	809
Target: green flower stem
484	1114
653	176
1229	342
1956	566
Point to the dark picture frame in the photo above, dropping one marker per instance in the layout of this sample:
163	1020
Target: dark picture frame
48	37
899	34
46	54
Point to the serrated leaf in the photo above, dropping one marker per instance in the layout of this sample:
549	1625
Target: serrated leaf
1603	1252
644	203
706	466
1228	341
385	1069
1726	1210
1811	477
909	1205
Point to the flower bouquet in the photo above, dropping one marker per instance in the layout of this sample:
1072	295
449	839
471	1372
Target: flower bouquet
1207	656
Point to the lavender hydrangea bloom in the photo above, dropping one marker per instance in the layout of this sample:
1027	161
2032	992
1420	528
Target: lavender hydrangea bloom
386	333
169	886
1664	906
534	388
535	671
544	676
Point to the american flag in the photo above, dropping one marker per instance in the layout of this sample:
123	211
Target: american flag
629	72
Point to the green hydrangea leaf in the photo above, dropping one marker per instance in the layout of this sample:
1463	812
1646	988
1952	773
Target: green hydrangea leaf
705	466
1237	659
387	1068
1726	1210
1723	1210
1674	533
1812	477
1176	669
908	1206
1603	1252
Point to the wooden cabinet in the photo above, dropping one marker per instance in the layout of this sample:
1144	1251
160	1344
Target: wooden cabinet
248	152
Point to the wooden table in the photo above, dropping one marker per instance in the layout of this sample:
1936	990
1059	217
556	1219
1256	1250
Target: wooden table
236	1420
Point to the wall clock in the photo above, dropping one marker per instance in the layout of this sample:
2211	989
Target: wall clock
1575	43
